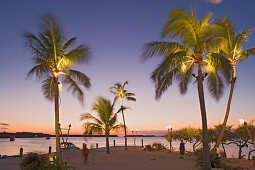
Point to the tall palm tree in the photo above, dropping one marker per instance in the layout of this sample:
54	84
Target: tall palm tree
179	60
106	119
230	45
53	56
119	92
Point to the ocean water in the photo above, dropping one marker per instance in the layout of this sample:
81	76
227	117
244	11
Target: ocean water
41	145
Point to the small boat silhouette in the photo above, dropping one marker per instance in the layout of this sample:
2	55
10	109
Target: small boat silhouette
12	138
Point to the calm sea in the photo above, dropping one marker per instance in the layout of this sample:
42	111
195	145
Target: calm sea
42	145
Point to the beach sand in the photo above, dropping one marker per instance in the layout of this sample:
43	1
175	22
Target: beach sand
132	159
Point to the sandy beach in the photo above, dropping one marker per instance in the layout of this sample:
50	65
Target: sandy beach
132	159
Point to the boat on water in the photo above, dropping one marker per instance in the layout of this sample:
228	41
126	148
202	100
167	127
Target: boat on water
48	137
12	138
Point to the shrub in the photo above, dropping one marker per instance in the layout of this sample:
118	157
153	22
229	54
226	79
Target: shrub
214	158
57	164
148	148
34	161
154	147
158	146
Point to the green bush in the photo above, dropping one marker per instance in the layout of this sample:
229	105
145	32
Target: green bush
154	147
34	161
158	146
214	158
147	148
57	164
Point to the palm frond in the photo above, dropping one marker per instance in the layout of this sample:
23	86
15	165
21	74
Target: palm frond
80	78
69	43
244	55
161	49
79	54
90	128
48	88
40	71
87	116
118	127
73	86
125	83
215	85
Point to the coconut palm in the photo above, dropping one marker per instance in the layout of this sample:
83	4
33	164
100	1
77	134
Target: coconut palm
53	56
179	60
230	45
105	121
119	92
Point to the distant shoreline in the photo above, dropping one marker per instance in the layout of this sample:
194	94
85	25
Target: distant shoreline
42	135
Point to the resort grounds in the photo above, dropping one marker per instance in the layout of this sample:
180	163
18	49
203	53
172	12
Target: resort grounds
132	159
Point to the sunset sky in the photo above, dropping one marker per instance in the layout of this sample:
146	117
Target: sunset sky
115	31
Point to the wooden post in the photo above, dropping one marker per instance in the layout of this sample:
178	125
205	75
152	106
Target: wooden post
142	142
113	142
97	145
21	152
49	149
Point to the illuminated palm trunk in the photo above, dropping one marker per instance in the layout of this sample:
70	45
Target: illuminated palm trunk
206	156
107	142
57	117
125	129
228	108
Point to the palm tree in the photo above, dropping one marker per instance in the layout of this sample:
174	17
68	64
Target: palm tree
180	58
53	57
106	119
230	45
119	92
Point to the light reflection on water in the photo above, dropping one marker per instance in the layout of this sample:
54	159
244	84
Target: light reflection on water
42	145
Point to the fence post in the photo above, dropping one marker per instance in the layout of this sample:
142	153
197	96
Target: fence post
113	142
97	145
142	142
49	149
21	152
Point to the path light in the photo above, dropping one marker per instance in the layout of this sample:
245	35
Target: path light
170	133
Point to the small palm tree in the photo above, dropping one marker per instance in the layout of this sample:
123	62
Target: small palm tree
105	121
53	56
230	45
179	60
119	92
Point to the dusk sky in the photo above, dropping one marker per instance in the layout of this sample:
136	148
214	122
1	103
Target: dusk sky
115	31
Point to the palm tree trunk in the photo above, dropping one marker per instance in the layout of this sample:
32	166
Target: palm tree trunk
57	118
206	156
125	129
107	142
228	109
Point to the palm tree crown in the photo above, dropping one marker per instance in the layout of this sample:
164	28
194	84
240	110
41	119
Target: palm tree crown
229	44
180	58
54	56
104	121
119	92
